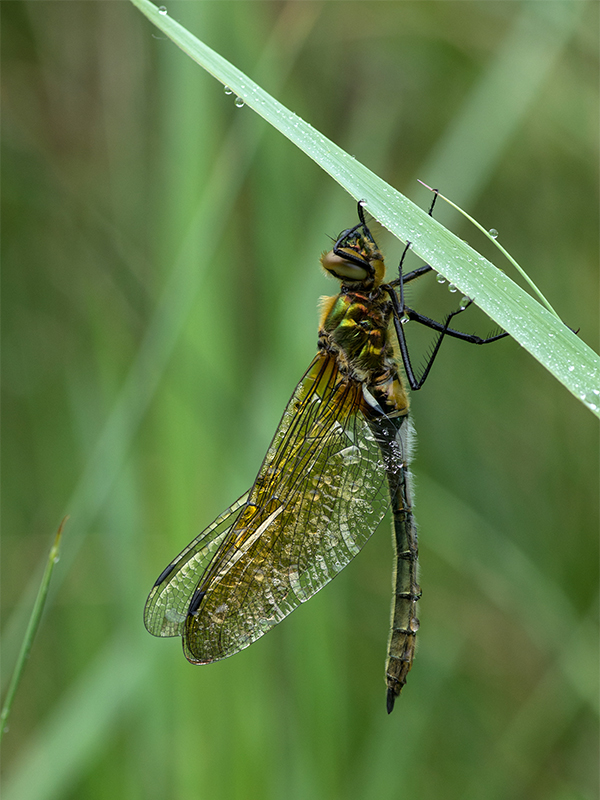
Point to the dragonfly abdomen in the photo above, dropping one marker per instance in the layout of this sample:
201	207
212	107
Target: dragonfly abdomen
404	620
394	437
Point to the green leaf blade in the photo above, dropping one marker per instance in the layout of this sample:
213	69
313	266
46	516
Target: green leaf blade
550	342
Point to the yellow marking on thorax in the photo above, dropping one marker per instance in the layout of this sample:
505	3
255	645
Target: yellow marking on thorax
326	305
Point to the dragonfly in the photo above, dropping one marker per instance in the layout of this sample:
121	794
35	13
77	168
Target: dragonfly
339	459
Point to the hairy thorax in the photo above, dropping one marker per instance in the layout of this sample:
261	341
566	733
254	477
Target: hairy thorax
355	326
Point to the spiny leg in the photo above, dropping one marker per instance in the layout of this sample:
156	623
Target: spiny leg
400	315
403	313
471	338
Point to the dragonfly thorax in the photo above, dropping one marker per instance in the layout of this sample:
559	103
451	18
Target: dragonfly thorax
355	327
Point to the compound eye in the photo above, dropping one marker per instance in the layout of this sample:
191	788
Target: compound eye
343	269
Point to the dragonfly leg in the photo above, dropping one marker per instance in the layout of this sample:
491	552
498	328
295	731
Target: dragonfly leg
404	313
439	326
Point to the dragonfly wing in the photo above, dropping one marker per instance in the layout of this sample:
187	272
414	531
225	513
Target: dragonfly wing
167	604
320	493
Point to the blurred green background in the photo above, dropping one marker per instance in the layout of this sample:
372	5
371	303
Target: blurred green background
160	281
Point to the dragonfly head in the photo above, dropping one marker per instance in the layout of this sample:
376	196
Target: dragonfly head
355	258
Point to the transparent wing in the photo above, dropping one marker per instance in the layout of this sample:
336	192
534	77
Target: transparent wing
319	495
168	602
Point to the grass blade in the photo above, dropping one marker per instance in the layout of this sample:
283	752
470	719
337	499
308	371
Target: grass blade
33	625
497	244
556	347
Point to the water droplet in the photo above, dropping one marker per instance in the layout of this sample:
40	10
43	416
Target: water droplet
493	233
452	288
239	103
440	278
571	368
163	10
227	90
56	559
414	625
404	319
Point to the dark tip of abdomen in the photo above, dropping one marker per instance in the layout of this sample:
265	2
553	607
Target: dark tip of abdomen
390	700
